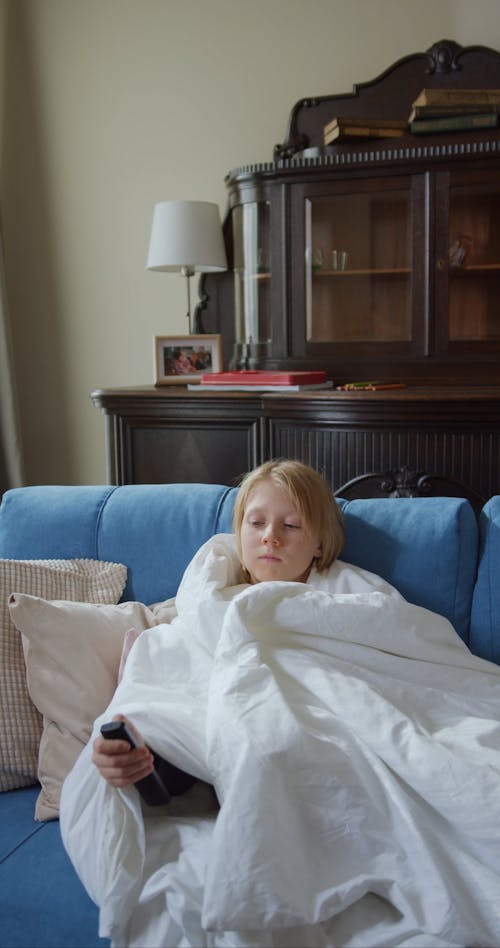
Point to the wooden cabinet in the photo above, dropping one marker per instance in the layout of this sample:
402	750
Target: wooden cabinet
440	440
369	259
377	259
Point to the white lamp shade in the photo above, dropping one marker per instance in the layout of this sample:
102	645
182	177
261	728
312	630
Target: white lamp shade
186	234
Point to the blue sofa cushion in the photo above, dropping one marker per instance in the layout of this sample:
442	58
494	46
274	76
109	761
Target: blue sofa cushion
426	547
485	617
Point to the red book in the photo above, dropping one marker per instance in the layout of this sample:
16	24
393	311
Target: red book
262	377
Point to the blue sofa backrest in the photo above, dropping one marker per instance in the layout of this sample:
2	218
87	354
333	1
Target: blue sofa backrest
154	529
426	547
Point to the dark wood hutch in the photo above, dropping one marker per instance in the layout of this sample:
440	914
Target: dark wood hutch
341	257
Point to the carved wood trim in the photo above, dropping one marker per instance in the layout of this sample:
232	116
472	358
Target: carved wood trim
394	88
405	482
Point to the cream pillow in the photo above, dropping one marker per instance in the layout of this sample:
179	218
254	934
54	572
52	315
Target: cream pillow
20	722
73	652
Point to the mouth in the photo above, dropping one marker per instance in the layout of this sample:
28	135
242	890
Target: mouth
270	559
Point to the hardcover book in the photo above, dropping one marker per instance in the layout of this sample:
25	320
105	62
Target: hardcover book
260	387
263	377
345	128
442	111
453	123
457	97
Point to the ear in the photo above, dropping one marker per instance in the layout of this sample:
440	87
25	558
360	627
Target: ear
318	551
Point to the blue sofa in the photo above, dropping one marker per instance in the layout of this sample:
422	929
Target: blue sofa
432	549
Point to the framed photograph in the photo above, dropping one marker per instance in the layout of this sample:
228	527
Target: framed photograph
183	359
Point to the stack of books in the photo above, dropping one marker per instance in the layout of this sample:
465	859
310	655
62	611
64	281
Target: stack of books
348	129
252	380
450	110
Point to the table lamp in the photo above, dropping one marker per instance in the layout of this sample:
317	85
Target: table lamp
186	237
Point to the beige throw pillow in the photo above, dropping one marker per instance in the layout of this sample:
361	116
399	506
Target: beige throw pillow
73	652
20	722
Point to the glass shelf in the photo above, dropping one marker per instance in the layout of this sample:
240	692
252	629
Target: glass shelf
475	268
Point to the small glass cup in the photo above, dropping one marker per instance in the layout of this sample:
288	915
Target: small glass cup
317	259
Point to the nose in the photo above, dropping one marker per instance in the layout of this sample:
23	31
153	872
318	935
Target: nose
271	535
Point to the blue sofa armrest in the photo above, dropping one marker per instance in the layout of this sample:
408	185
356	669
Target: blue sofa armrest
42	901
485	616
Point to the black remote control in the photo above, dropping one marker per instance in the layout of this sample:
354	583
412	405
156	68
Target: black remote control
151	788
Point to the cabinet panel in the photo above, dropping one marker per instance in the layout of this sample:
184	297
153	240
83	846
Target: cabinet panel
344	453
165	434
188	452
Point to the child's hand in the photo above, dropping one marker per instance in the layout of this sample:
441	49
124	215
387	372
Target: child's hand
120	764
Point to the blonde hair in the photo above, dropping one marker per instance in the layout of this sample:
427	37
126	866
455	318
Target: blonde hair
311	497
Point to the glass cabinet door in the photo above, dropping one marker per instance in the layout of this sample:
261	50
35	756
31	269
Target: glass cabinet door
469	260
360	264
359	287
252	281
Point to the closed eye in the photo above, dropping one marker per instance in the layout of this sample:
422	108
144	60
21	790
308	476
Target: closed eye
293	526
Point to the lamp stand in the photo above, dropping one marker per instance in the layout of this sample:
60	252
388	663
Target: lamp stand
188	272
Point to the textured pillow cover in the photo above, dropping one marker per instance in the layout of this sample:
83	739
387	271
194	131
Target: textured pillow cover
20	722
73	652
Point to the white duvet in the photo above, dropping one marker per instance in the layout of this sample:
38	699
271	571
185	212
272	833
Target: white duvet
354	745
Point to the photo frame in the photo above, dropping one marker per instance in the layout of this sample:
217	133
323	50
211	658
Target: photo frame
183	359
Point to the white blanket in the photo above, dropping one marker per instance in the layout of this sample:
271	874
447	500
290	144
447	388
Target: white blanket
354	745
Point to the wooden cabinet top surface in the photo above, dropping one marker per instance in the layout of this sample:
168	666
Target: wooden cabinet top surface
103	398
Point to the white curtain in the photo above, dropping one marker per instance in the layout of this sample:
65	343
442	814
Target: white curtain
11	455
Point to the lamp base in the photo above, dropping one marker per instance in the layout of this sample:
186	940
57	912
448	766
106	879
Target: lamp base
250	355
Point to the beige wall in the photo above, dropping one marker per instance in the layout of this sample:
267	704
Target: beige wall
3	30
112	105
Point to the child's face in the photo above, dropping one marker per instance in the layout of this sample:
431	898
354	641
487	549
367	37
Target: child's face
274	543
